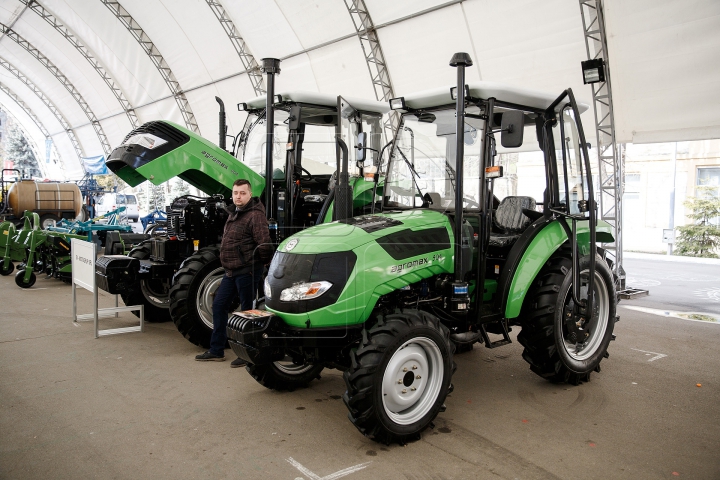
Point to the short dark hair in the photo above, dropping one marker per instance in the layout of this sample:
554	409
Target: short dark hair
240	182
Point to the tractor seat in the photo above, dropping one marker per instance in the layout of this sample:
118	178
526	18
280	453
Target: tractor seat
511	220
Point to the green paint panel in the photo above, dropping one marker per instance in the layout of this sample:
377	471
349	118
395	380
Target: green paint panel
545	243
376	273
200	163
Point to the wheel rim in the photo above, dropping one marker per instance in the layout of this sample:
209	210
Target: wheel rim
287	366
48	222
407	398
156	292
596	326
206	294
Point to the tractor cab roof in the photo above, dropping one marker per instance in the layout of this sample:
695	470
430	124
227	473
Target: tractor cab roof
322	99
521	97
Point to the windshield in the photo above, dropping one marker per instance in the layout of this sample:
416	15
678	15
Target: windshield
423	161
318	143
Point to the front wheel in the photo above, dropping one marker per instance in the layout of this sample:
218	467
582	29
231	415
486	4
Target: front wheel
558	346
5	271
193	292
400	376
20	279
151	293
284	375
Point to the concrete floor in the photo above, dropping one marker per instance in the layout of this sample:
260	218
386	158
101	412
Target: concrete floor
138	406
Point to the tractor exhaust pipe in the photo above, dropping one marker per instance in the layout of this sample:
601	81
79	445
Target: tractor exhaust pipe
460	61
222	125
271	67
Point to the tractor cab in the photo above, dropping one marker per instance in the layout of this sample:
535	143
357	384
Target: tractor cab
304	162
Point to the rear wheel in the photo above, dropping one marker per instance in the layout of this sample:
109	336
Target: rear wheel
48	220
152	294
5	271
192	294
20	279
400	376
284	375
557	348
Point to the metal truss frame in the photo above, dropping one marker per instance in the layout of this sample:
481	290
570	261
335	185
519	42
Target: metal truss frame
156	57
367	34
610	155
48	103
85	52
5	89
57	73
248	60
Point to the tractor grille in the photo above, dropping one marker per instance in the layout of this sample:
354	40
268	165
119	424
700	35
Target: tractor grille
162	130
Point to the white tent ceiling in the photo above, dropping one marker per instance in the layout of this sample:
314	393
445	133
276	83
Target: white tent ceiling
663	58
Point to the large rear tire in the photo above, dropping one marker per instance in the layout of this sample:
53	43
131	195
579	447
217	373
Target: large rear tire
552	348
192	294
152	294
399	376
284	375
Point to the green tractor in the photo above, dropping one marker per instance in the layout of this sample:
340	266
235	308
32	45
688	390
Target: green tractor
388	297
175	274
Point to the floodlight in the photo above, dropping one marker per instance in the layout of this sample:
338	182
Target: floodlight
453	92
397	103
242	107
593	70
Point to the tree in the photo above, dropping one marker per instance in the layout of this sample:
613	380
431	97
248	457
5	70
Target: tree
178	188
18	151
702	237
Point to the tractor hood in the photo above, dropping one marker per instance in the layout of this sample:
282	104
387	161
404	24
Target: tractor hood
159	151
329	253
355	232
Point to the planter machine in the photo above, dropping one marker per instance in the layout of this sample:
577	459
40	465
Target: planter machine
385	297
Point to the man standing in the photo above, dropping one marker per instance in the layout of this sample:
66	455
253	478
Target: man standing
244	251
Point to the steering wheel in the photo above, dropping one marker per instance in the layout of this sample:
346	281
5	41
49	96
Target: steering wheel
307	178
471	203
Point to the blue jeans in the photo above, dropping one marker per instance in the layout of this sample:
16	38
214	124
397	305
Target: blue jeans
242	286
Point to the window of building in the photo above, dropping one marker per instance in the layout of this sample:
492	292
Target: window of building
709	177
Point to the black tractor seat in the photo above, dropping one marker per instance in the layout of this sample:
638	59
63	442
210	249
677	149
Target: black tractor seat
512	217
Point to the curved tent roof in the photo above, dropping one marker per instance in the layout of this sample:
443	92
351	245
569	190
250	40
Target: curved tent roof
168	59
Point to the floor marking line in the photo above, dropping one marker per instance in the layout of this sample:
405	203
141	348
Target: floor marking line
656	357
333	476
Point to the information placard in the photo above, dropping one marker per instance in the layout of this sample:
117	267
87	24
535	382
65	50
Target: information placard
83	263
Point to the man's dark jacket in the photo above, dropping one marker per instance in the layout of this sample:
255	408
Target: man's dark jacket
246	246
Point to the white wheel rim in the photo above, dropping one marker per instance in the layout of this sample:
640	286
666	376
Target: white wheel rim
412	380
206	295
597	325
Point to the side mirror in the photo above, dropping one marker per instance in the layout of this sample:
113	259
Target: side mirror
512	129
294	119
361	145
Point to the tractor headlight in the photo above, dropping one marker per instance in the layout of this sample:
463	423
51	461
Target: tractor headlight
266	288
304	291
147	140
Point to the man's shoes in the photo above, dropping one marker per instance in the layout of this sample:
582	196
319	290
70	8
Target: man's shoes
238	362
209	357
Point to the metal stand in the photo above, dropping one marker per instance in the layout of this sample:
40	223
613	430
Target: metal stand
83	274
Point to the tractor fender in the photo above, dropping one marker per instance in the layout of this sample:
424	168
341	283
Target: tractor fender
532	250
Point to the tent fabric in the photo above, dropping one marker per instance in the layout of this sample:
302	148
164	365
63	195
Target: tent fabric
662	59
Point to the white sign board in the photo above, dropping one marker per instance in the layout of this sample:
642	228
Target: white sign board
668	235
83	263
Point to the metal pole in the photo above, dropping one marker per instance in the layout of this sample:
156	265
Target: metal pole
271	66
672	201
460	61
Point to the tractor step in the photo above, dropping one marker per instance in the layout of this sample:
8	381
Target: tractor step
630	293
504	332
